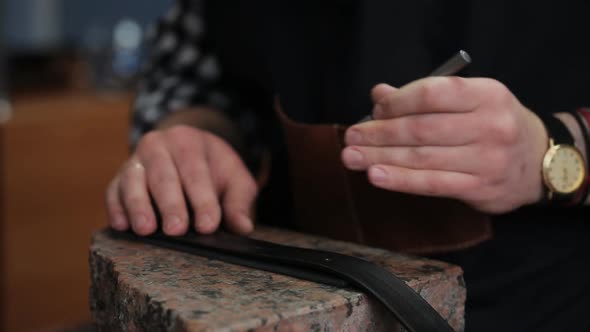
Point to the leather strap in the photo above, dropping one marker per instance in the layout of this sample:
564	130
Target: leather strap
409	308
557	129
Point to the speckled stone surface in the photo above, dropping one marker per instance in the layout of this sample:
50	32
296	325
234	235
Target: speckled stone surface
138	287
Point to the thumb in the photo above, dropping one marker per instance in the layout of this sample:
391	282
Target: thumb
380	91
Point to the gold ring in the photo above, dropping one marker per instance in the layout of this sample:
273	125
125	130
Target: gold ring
137	165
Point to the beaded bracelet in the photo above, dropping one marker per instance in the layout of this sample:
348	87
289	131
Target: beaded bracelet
582	116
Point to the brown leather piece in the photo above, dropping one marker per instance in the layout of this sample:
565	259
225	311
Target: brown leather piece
335	202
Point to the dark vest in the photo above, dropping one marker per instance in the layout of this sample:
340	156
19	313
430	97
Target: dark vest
323	57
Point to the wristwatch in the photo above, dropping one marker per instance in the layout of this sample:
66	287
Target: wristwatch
564	168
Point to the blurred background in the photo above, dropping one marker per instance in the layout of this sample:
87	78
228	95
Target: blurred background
67	73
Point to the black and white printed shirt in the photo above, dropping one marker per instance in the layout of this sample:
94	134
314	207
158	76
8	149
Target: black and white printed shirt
182	71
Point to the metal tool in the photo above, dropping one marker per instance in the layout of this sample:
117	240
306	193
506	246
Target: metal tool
451	67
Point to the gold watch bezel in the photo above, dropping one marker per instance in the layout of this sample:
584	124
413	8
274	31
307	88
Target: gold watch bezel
549	155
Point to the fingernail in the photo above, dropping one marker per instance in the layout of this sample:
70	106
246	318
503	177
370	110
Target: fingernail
246	223
377	111
353	137
353	157
377	174
119	221
140	221
204	221
173	224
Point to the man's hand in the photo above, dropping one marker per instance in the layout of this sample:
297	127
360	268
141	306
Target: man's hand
178	162
468	139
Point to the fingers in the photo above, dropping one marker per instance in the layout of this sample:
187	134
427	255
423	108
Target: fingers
422	182
134	195
196	176
381	91
237	204
169	165
416	130
115	209
425	158
237	184
164	185
433	95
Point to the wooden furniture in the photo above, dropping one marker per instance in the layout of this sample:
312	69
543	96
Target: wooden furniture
57	155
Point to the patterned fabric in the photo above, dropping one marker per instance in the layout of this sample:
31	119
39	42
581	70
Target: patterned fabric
182	71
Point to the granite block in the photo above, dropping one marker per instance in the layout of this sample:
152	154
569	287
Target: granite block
138	287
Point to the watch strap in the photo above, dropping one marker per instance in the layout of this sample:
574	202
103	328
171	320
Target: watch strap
581	118
556	129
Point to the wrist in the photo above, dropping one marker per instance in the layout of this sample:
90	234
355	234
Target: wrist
207	119
217	123
538	150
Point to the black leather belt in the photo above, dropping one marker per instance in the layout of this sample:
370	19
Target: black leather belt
408	307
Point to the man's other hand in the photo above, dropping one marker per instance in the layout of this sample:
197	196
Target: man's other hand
177	166
469	139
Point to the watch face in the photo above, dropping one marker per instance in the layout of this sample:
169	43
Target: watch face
564	169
